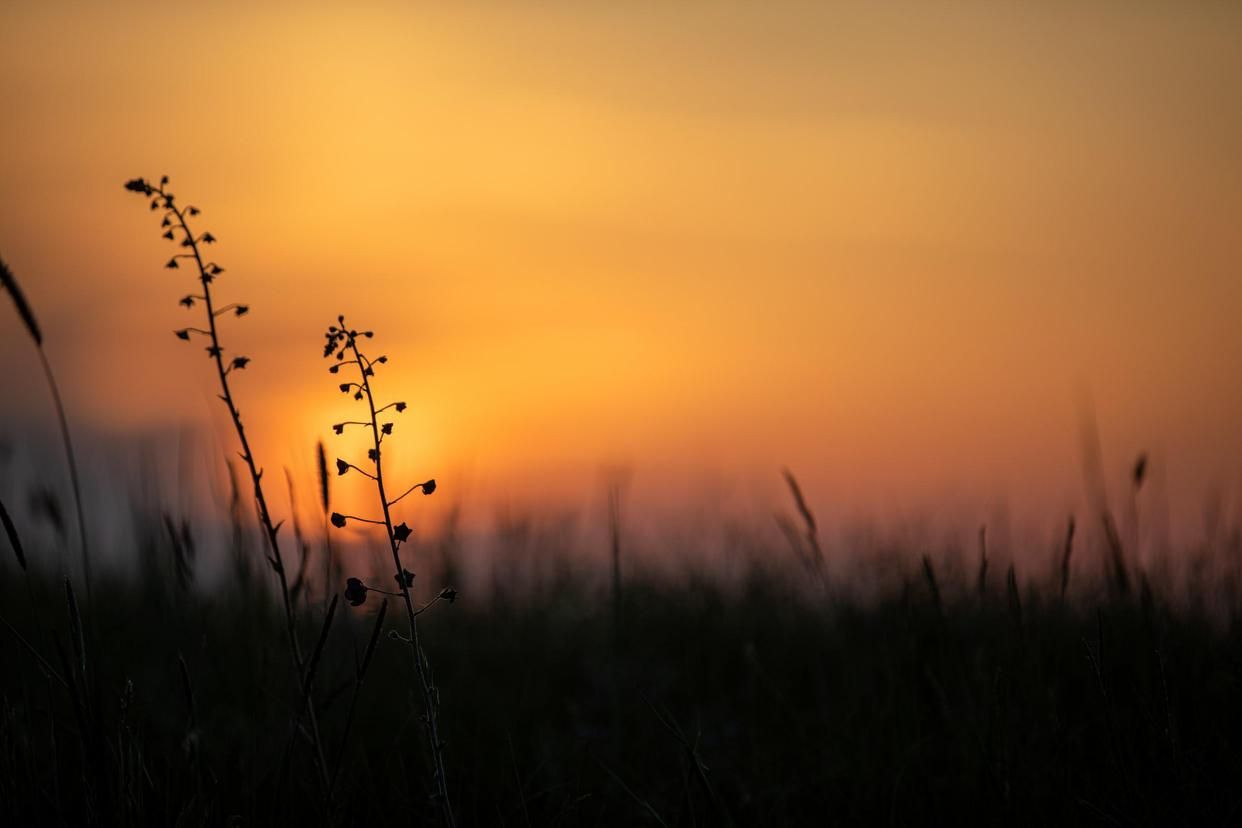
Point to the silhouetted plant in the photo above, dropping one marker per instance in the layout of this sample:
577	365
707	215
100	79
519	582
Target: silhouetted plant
14	540
45	506
812	555
183	549
300	580
321	467
360	674
615	486
981	579
175	226
1066	553
342	342
1117	557
9	281
933	588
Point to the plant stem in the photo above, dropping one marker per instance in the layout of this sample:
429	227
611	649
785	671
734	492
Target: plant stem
256	475
328	577
73	469
429	701
360	674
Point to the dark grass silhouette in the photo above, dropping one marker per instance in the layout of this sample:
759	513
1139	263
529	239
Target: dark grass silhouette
11	286
805	544
15	541
330	570
755	703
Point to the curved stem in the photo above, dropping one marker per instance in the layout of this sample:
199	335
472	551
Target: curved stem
73	469
408	491
360	471
363	520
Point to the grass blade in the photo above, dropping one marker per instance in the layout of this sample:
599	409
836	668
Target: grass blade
322	468
1065	557
812	529
19	302
75	629
981	581
24	310
14	540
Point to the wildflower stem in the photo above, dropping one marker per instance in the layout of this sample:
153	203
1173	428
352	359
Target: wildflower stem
256	474
360	471
420	667
403	495
384	592
429	605
364	520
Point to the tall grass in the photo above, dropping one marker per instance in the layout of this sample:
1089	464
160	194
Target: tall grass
754	702
325	505
9	282
805	544
15	541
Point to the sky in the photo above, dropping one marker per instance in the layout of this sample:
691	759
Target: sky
905	249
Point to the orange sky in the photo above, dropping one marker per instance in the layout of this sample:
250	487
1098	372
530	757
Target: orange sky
893	248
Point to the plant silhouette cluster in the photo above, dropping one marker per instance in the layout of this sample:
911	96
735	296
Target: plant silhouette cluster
175	227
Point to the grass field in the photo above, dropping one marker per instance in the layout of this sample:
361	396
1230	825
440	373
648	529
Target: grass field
801	684
686	703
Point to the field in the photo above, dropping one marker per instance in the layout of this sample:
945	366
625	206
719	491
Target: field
239	670
686	701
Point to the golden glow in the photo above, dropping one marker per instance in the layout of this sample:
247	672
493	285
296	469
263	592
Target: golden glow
888	247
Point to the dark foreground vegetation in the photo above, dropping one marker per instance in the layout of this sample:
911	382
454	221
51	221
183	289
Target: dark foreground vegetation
687	704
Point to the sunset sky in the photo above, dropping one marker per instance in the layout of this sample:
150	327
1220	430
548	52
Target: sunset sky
900	248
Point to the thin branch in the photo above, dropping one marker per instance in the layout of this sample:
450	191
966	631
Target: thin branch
47	668
360	519
360	471
407	492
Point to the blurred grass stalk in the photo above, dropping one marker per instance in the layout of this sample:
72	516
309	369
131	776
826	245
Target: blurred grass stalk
32	327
